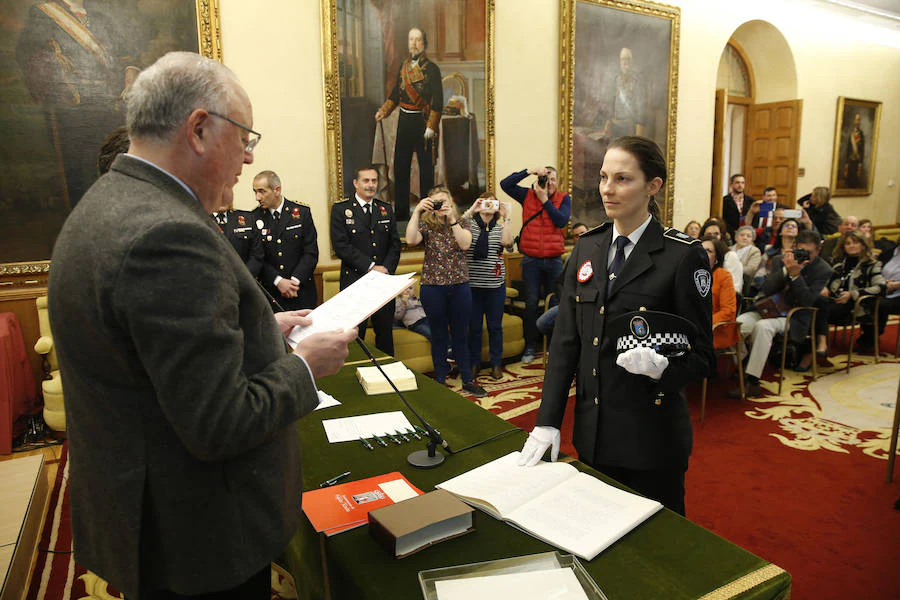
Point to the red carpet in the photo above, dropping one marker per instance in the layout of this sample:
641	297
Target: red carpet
777	477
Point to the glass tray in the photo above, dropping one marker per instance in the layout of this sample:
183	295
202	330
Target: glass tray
517	564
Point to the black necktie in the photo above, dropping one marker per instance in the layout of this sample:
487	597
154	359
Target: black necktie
220	219
276	215
618	261
368	209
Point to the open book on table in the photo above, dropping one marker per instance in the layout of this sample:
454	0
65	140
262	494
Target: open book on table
554	502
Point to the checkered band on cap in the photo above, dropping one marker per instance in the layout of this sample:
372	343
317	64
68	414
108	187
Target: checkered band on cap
627	342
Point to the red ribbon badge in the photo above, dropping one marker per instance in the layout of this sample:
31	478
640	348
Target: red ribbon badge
241	220
585	271
295	213
383	211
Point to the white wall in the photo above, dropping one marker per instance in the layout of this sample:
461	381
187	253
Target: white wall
274	46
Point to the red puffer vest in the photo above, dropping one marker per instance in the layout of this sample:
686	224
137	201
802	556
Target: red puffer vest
541	238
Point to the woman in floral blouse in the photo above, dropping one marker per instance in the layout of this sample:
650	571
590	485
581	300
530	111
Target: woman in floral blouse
444	287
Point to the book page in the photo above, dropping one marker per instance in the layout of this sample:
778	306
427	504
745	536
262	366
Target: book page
583	515
354	304
503	485
558	584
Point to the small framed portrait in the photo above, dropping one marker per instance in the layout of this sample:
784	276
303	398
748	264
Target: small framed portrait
855	144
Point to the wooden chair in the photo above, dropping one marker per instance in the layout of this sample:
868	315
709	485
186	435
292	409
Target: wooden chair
812	341
733	350
853	323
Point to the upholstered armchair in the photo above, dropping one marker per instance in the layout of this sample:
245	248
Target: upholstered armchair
51	383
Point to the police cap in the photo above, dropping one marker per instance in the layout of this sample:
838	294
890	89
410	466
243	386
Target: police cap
668	334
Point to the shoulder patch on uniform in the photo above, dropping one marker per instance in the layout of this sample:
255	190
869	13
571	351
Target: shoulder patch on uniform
597	229
679	236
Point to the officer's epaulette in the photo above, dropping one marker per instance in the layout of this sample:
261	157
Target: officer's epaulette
679	236
301	203
597	229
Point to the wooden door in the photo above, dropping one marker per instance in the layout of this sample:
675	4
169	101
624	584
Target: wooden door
773	146
718	163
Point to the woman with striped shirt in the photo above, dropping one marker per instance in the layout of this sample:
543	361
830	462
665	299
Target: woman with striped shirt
487	277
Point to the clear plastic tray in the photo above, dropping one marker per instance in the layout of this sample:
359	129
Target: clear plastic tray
517	564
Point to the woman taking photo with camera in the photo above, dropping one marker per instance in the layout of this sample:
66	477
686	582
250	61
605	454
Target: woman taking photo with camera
487	278
444	287
631	417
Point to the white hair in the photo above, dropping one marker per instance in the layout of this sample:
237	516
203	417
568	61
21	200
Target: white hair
164	94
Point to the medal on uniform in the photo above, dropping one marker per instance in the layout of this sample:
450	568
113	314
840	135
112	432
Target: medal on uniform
348	213
241	220
585	271
260	224
295	213
383	211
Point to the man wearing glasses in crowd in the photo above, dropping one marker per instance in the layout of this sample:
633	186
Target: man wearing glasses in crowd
181	395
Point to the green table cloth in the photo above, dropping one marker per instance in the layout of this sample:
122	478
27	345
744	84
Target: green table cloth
665	557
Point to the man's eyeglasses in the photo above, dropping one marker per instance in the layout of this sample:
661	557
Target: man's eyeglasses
255	136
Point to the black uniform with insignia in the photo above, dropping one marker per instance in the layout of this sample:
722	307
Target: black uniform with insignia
239	228
622	420
291	250
359	241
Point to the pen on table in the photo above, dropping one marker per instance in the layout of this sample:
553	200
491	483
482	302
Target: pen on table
420	430
413	433
379	440
392	438
334	480
400	435
366	443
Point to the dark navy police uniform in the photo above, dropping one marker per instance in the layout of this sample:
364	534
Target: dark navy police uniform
240	230
629	426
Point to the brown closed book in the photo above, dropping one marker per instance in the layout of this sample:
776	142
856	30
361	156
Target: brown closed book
416	523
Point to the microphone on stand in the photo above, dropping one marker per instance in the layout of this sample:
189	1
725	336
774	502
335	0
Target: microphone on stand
423	459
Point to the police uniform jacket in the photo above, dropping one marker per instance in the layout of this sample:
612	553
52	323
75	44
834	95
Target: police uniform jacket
290	248
622	419
359	243
243	234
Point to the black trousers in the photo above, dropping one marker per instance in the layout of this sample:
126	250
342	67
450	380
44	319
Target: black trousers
383	324
664	485
258	587
410	138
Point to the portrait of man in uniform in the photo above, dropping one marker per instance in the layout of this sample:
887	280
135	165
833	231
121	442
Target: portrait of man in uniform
855	143
413	94
66	67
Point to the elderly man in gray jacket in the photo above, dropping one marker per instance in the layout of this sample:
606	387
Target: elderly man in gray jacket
181	393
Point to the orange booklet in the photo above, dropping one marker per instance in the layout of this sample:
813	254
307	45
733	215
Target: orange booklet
346	506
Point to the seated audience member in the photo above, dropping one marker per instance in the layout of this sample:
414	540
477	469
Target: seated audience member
753	218
849	223
491	233
736	204
820	211
890	304
856	272
444	286
547	320
409	313
693	229
782	241
766	234
865	228
799	284
724	300
882	248
747	253
714	228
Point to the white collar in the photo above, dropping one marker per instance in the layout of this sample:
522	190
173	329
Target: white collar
635	235
279	209
363	203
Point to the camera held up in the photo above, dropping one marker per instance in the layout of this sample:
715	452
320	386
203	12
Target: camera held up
542	181
437	204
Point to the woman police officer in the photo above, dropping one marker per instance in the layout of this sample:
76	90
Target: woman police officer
631	417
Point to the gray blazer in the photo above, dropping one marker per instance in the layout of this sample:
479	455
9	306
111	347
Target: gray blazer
181	397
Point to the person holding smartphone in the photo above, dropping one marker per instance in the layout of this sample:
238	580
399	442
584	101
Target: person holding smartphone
491	234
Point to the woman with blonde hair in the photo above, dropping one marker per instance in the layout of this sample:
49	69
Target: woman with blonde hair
444	287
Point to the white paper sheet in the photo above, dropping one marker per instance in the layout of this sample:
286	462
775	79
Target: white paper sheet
353	305
552	584
326	400
349	429
398	490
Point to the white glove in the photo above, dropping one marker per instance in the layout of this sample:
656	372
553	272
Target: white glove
429	133
643	361
537	443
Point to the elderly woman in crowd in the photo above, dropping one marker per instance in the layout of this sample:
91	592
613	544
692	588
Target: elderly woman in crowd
749	255
693	229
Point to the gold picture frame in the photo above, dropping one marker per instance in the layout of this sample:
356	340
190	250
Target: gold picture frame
855	146
359	68
39	212
598	38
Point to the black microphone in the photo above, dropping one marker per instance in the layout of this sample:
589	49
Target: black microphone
424	459
269	296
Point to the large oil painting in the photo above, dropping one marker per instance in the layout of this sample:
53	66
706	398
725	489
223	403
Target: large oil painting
619	77
65	68
408	89
855	143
